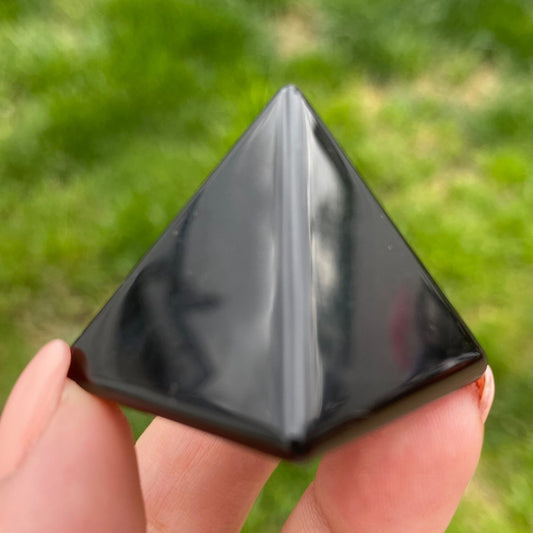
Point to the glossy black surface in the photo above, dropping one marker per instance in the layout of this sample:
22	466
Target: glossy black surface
281	308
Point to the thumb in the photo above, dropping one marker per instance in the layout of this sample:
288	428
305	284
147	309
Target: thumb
67	457
32	403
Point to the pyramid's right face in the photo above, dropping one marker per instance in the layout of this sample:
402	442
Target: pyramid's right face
281	307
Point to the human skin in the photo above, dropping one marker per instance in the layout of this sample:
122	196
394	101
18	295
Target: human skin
68	462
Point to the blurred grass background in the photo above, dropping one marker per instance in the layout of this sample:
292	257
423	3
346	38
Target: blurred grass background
113	111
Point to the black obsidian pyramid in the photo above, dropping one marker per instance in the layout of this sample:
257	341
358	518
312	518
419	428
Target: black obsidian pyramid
281	308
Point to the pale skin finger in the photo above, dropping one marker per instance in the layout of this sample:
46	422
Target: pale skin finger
32	403
196	482
405	477
77	471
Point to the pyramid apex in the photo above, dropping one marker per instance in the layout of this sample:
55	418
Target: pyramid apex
290	90
290	87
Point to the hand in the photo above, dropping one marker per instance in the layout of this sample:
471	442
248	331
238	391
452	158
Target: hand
68	463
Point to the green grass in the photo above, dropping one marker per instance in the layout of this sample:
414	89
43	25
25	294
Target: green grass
112	113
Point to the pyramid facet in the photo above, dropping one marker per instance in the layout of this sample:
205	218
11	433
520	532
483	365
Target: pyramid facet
281	308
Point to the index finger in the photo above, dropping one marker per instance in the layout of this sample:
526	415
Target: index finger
196	482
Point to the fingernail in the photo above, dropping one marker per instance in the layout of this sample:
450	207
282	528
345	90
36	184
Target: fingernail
486	389
32	403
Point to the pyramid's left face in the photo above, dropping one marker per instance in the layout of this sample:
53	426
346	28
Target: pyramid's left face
280	304
196	325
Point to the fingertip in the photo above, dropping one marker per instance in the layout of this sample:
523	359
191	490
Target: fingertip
487	389
32	403
54	356
58	347
82	472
